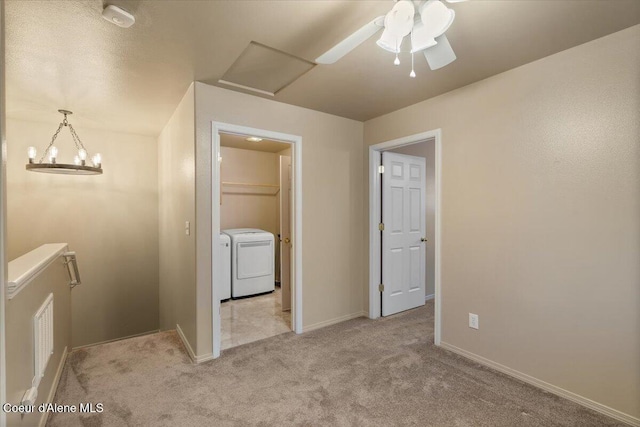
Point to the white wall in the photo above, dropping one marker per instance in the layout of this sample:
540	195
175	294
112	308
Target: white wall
3	218
332	188
110	220
541	216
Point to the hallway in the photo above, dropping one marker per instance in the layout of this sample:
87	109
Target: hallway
360	372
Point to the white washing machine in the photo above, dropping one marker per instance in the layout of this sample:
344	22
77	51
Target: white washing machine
225	267
252	261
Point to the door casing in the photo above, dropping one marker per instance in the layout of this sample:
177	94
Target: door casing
374	219
285	231
296	215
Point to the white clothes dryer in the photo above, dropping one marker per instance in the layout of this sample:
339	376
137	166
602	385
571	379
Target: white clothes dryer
252	261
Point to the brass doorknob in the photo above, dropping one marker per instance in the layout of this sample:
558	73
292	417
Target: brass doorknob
287	240
423	239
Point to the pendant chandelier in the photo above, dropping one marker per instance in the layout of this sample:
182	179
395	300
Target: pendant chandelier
80	165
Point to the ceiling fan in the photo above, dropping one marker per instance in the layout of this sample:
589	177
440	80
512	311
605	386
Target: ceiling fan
425	20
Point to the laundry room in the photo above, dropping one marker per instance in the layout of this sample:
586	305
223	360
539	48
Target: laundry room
255	238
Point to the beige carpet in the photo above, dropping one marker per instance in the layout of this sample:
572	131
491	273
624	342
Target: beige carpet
357	373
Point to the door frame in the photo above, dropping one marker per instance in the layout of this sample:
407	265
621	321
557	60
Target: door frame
296	216
374	219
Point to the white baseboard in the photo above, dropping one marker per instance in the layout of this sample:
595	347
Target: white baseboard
192	354
429	297
581	400
334	321
54	386
141	334
186	344
203	358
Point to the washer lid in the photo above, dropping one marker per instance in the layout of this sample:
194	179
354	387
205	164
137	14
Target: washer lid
235	231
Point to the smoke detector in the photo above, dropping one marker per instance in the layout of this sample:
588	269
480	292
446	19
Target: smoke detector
118	16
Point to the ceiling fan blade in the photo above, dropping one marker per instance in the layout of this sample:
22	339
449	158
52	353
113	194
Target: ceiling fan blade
351	42
441	54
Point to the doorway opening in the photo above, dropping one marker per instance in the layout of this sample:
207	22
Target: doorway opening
256	235
404	225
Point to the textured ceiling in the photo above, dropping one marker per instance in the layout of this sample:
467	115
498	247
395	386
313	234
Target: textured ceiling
62	54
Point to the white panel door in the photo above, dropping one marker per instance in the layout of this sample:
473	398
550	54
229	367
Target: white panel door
404	217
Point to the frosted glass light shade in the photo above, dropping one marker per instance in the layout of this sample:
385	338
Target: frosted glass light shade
441	54
399	20
421	38
389	42
436	18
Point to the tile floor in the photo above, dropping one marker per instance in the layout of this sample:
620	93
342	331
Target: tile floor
252	319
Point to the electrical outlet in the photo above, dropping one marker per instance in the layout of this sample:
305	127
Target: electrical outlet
474	321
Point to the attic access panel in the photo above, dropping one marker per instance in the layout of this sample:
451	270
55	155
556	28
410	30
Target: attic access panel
265	70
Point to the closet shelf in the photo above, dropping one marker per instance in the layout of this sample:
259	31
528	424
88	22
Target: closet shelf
249	188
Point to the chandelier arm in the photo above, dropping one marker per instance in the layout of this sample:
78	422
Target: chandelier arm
53	139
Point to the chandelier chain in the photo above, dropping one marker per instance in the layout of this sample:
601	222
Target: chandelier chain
53	139
76	140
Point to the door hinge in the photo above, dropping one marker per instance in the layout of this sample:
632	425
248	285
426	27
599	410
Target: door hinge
381	226
380	169
381	287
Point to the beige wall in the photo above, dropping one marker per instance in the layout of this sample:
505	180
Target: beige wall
332	170
249	210
110	220
541	216
3	222
427	150
177	205
20	362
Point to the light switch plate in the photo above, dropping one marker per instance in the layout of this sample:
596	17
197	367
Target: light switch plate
187	228
474	322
